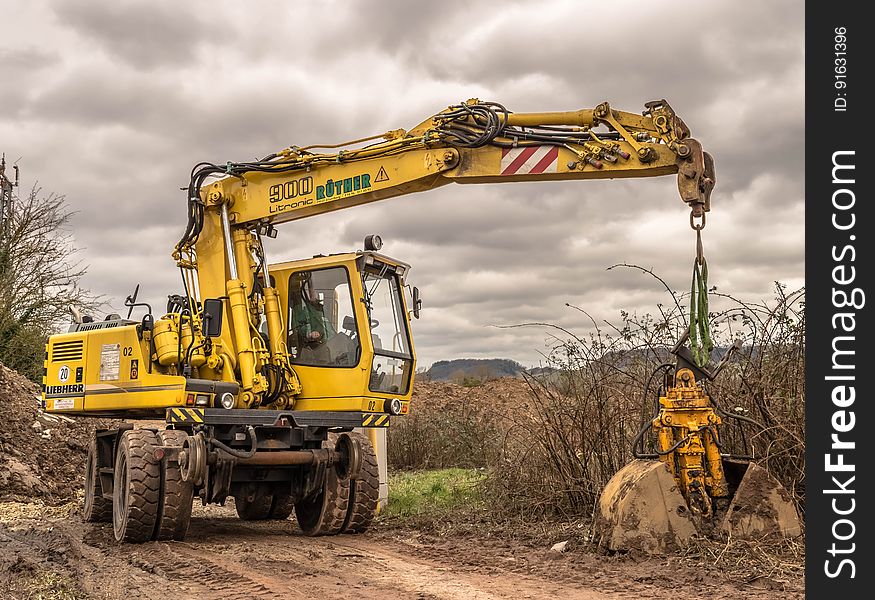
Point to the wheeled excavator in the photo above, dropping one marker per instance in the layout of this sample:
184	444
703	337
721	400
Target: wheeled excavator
266	374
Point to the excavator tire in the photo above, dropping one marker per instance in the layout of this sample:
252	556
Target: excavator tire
256	507
97	509
325	513
174	511
137	486
283	505
364	490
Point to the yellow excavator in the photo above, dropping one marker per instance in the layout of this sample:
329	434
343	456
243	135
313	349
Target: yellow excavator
265	374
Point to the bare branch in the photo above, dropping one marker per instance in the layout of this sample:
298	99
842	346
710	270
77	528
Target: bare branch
39	279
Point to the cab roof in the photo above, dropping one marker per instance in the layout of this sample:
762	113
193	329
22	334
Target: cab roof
321	260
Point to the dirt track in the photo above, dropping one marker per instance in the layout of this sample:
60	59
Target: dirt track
226	558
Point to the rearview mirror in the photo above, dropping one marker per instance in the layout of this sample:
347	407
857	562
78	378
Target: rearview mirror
212	317
417	302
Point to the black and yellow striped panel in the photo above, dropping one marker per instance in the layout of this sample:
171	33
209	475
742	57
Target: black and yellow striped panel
185	415
45	380
375	420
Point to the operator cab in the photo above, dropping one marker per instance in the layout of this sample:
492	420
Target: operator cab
348	328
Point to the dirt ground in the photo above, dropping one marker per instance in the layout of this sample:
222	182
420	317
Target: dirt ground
48	552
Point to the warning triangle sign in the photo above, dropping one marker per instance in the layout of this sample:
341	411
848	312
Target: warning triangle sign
381	175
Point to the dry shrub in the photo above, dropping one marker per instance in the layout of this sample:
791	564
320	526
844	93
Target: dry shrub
557	457
770	563
444	429
768	383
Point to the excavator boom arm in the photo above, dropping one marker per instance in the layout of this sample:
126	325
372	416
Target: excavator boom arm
473	142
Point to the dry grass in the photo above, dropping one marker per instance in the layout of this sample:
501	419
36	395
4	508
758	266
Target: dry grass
445	430
42	584
778	563
549	453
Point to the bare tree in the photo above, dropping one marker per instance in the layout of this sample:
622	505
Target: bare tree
39	279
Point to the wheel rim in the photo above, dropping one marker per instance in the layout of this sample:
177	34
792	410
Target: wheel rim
351	453
120	504
309	512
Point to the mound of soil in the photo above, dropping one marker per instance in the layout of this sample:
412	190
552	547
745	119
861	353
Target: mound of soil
41	455
499	395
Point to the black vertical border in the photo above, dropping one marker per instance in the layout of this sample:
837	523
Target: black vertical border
827	131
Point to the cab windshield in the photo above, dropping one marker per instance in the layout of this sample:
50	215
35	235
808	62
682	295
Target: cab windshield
393	360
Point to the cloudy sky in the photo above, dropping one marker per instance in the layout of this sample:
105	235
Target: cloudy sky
112	103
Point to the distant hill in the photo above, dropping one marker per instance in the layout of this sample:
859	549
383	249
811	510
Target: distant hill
471	371
541	371
474	368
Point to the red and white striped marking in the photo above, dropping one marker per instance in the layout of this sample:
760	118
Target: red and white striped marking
531	159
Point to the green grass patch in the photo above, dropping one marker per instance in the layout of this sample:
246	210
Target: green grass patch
430	493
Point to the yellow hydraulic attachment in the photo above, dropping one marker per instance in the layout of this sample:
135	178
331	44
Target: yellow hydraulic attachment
686	428
689	483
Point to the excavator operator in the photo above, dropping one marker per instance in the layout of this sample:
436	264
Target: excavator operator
309	327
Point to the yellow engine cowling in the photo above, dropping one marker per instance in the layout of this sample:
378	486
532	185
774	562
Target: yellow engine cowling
105	367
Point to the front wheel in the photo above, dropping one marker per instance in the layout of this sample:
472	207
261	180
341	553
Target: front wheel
282	507
174	513
364	490
254	504
324	513
137	487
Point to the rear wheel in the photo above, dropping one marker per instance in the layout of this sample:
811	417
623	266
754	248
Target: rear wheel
254	505
282	507
97	509
174	513
137	487
364	490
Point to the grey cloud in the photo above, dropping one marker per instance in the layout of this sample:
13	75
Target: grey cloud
142	35
20	68
737	70
582	48
90	98
16	61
